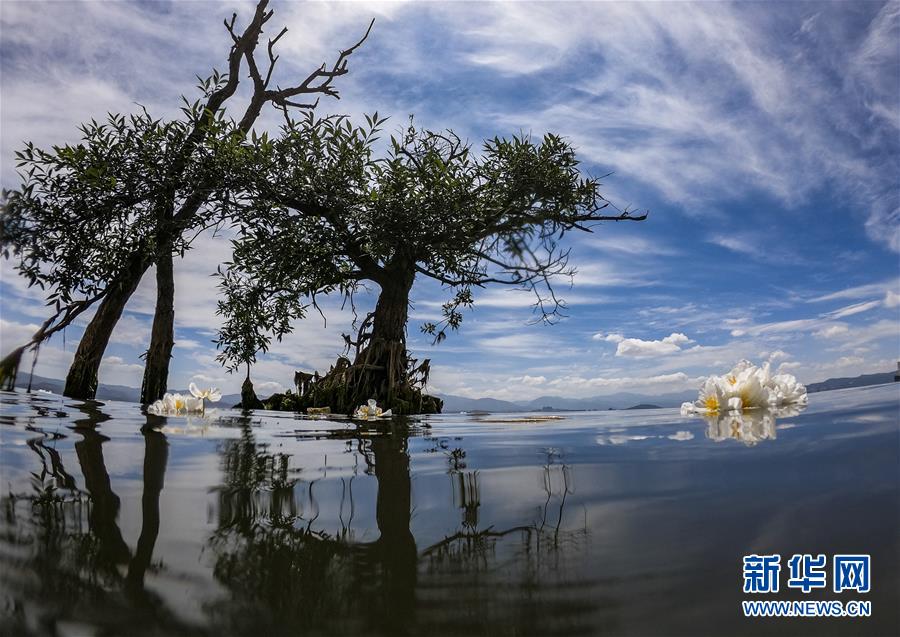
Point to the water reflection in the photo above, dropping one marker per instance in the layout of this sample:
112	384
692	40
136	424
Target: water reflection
284	572
750	427
273	525
287	574
65	554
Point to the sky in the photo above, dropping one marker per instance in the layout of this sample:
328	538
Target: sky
764	139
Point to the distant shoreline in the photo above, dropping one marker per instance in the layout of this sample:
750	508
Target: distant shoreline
456	404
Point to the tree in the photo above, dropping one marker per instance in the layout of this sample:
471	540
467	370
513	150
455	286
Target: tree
90	219
324	214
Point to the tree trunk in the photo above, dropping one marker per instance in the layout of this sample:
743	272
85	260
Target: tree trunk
81	382
380	369
162	337
392	308
249	399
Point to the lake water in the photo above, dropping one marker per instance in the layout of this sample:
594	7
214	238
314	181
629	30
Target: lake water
611	523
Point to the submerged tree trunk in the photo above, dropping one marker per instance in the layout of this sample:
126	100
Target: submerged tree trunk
162	337
81	381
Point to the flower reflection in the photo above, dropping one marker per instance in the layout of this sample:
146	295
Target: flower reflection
749	427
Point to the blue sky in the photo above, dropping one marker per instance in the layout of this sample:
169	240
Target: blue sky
764	138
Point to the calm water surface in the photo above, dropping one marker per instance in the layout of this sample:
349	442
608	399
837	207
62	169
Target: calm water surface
116	523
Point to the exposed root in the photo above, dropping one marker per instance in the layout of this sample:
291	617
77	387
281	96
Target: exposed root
382	370
248	397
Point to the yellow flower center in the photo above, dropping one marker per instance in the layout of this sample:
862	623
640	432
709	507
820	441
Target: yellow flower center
711	403
732	380
179	403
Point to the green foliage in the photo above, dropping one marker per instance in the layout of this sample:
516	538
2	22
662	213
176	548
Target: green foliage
323	212
83	210
252	316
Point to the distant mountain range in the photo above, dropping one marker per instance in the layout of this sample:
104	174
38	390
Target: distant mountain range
104	391
622	400
627	400
857	381
453	404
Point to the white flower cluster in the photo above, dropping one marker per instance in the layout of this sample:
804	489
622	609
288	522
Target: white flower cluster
178	404
371	411
747	387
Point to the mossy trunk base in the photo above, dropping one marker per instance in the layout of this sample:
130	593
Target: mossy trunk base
249	399
383	371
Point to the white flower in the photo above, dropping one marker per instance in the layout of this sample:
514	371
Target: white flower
370	411
211	394
156	408
787	391
712	397
744	388
751	392
176	404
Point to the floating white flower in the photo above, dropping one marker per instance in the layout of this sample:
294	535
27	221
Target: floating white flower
713	398
169	404
743	404
787	391
744	388
211	394
371	411
178	404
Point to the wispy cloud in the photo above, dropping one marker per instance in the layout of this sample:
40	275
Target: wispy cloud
770	172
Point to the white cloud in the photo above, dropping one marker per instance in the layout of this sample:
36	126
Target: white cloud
637	348
850	310
609	274
631	245
642	115
832	331
861	291
530	381
115	370
777	355
736	244
663	382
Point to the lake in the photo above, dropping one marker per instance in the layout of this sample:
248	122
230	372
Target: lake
612	523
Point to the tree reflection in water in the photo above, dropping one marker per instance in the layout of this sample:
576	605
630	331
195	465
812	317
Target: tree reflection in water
64	555
286	575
